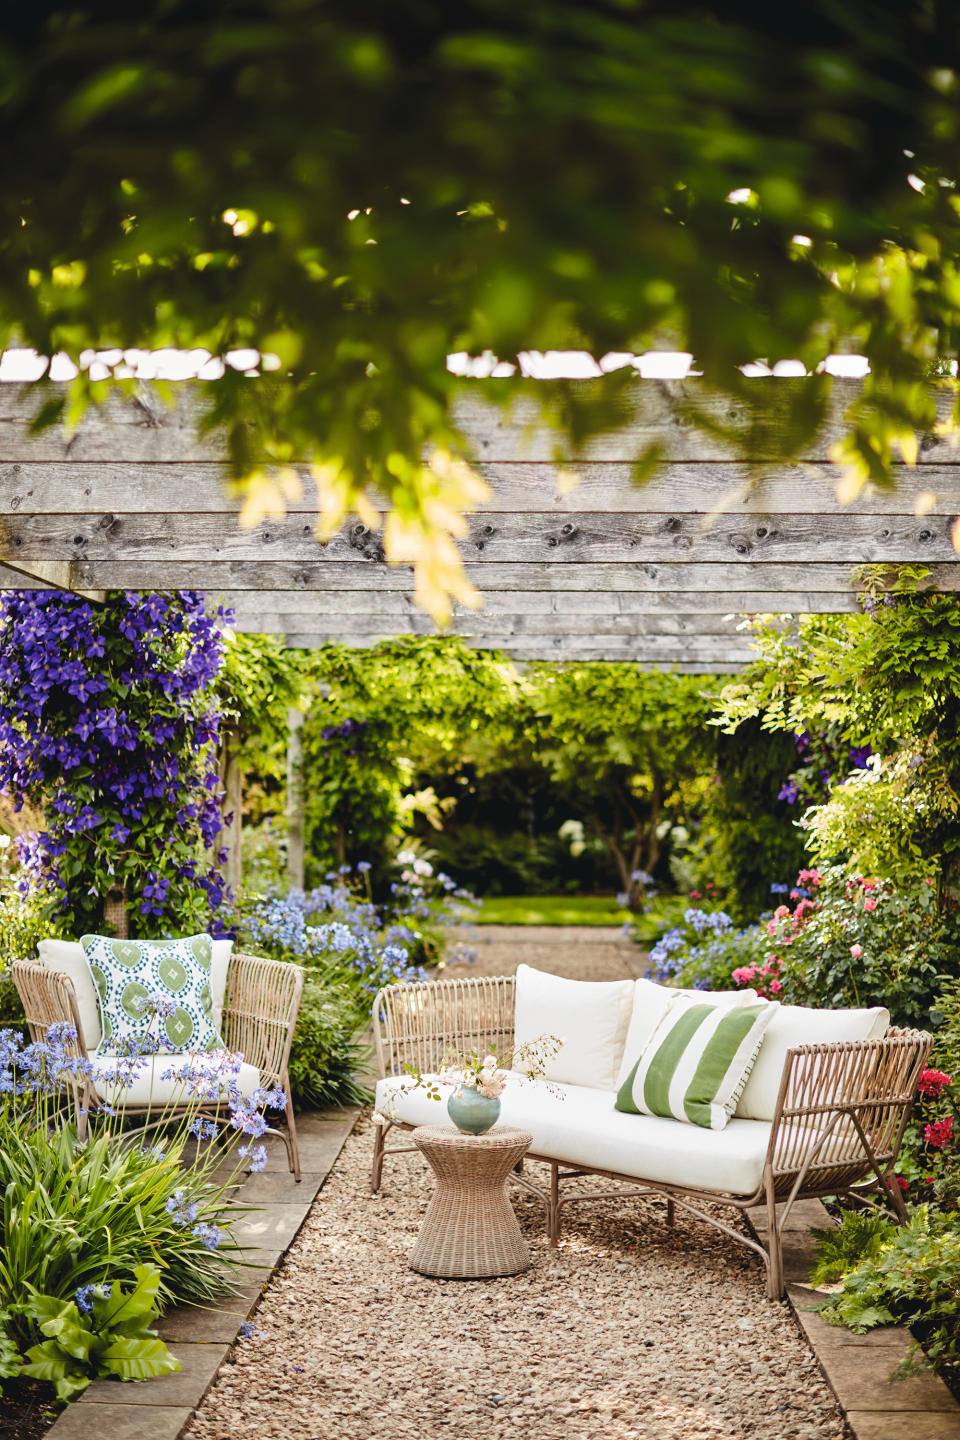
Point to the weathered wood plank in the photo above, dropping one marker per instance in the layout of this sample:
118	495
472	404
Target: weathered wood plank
641	577
396	606
125	428
664	649
651	412
495	537
141	487
491	627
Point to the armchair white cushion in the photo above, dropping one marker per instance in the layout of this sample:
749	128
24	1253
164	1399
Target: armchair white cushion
152	1085
589	1016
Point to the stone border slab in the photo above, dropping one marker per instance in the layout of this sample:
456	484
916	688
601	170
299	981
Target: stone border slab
274	1208
860	1368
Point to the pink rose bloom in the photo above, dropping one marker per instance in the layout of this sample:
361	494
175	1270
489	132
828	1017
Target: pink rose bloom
870	903
775	986
856	951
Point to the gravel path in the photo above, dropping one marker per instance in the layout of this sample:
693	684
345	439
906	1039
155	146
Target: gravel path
628	1329
588	952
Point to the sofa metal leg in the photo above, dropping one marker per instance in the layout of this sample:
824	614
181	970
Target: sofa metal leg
553	1209
774	1247
376	1170
671	1214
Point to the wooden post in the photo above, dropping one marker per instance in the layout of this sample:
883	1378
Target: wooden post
231	778
295	798
115	915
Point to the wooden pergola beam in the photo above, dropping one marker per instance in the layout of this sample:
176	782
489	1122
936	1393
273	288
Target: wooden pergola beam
400	606
136	487
744	545
51	575
640	577
663	648
143	428
491	627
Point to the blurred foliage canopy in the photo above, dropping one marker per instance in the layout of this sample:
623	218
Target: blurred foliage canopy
361	190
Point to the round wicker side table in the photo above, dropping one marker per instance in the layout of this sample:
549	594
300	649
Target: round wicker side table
470	1230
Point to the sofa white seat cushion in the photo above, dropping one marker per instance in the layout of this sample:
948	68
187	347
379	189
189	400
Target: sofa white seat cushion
649	1004
793	1026
67	956
579	1125
590	1017
152	1085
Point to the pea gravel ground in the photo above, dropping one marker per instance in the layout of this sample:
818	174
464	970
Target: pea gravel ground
628	1329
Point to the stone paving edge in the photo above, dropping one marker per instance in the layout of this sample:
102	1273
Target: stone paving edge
203	1338
860	1368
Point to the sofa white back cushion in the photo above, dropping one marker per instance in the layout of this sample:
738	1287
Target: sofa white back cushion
795	1025
650	1004
67	956
589	1016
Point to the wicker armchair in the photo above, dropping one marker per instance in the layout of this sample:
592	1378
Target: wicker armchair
260	1011
837	1128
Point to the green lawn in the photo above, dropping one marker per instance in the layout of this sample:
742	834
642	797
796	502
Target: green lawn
550	910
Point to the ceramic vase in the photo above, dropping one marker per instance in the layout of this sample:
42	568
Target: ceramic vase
472	1112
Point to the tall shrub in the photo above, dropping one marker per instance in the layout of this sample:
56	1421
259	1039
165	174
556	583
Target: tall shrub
109	719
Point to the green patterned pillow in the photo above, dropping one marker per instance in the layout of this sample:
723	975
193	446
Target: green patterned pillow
176	973
697	1061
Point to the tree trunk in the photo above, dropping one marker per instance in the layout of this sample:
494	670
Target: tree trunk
295	798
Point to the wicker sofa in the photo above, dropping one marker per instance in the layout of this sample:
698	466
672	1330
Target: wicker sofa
837	1116
256	1002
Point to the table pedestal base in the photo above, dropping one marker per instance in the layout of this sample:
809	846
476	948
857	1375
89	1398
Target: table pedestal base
470	1230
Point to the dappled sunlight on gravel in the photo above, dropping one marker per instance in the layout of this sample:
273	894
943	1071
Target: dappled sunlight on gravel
628	1329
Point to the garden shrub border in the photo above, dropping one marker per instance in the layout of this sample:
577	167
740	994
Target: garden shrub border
202	1338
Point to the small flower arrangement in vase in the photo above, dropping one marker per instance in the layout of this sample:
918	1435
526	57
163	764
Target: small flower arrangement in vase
478	1078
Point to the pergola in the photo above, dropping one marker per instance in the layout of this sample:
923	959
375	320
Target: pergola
136	498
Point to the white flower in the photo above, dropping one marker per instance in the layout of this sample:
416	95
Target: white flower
4	841
422	867
406	857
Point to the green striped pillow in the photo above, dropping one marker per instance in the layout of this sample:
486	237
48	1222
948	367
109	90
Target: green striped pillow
696	1063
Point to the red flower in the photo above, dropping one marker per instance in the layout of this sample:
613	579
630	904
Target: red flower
903	1184
933	1082
939	1134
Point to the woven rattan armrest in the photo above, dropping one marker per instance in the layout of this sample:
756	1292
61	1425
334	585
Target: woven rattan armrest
260	1012
48	998
413	1025
845	1106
